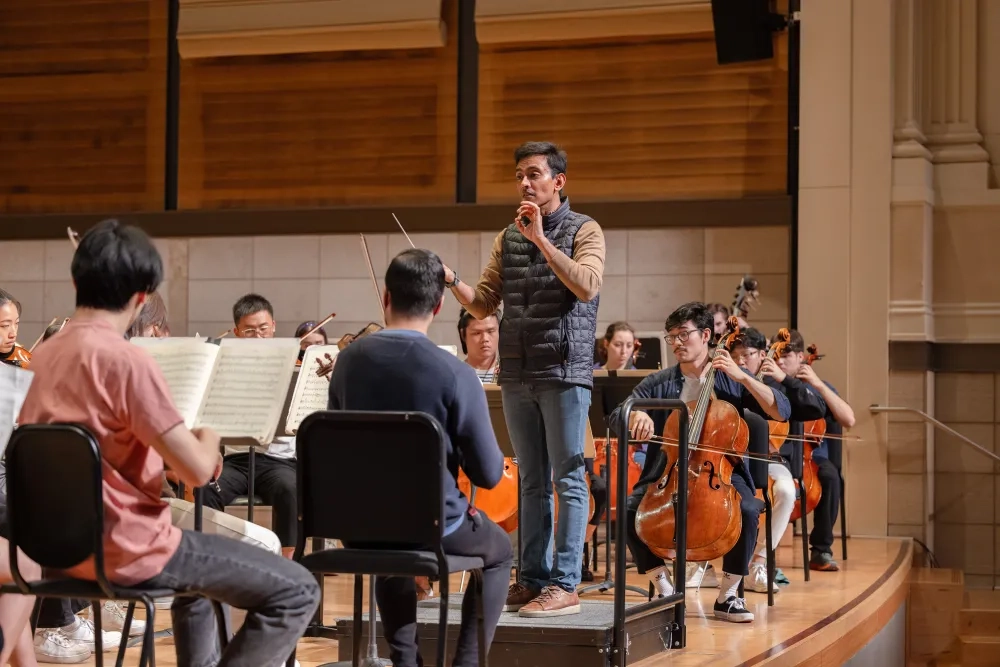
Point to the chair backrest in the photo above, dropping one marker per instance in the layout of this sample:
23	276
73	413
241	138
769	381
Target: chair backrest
55	504
371	477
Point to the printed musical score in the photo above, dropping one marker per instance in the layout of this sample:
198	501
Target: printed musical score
14	385
311	391
187	365
248	387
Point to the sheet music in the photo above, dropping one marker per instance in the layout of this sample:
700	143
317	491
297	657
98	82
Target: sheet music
187	365
450	348
248	387
14	384
312	392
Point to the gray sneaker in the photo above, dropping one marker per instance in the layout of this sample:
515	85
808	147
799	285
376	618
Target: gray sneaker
822	561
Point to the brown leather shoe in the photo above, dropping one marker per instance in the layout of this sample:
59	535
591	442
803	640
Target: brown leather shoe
519	595
552	601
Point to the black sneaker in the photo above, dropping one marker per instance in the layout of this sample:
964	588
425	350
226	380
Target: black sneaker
586	575
822	561
734	610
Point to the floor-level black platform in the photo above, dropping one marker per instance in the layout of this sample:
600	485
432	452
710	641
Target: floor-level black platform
578	640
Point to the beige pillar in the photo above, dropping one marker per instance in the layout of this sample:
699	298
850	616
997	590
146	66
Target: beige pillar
844	214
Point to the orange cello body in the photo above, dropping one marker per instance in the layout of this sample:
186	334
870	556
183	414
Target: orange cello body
713	504
500	502
812	430
601	459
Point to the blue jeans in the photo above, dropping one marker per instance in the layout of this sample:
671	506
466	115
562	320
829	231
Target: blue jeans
547	425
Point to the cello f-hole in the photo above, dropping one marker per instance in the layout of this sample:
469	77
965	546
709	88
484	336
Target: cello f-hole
712	475
662	484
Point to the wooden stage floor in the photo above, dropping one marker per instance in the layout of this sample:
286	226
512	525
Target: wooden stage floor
821	622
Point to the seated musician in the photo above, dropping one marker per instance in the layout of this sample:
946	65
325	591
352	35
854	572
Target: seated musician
317	337
480	339
15	610
838	415
274	470
689	331
750	352
399	368
720	317
90	375
10	320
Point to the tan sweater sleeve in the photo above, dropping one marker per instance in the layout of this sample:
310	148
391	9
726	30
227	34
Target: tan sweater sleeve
489	289
583	274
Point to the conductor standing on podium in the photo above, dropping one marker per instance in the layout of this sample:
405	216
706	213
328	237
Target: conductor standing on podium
546	268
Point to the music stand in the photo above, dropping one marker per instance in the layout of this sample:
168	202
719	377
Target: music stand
611	388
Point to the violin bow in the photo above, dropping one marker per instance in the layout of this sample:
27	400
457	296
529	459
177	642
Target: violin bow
371	270
317	327
410	241
74	238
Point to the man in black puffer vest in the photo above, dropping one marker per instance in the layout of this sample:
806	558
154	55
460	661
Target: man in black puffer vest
546	269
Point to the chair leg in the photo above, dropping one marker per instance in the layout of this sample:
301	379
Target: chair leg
477	577
443	621
147	658
98	634
129	613
769	550
359	583
805	530
843	520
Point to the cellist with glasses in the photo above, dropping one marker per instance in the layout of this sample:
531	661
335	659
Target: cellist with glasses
690	330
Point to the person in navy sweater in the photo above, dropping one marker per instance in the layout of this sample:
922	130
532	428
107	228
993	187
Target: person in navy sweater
400	368
690	329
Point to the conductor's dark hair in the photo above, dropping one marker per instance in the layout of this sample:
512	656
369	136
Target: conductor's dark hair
248	304
555	156
415	282
693	311
113	263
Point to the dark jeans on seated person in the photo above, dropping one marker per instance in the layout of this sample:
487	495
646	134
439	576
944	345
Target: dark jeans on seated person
274	482
396	597
279	595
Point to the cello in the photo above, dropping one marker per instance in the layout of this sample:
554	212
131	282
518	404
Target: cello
813	433
713	504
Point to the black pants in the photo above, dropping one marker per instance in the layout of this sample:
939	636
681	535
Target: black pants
737	561
274	481
397	596
599	490
821	537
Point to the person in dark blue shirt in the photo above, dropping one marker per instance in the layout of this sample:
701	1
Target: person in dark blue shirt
399	368
838	415
750	352
689	330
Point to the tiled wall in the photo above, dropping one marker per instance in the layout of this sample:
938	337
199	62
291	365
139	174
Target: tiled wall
964	505
648	273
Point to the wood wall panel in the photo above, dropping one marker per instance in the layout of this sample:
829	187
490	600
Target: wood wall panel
320	129
652	118
82	105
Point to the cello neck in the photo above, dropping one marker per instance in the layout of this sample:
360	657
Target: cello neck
701	407
760	372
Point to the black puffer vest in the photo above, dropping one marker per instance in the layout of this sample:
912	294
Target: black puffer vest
547	334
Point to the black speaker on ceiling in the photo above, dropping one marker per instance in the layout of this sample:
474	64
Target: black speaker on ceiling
743	30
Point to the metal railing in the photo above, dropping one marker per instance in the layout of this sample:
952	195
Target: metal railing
944	427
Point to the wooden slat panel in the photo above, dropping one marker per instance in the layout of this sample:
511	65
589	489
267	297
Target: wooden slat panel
642	118
333	128
82	105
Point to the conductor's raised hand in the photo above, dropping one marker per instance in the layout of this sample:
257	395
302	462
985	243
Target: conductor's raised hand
640	425
532	230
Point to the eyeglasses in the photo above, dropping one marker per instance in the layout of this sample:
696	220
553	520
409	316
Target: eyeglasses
682	336
256	332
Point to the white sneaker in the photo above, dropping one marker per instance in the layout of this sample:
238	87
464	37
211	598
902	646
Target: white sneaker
701	575
52	647
757	579
113	618
83	632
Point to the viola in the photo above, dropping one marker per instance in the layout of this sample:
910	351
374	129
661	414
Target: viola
19	356
813	433
713	504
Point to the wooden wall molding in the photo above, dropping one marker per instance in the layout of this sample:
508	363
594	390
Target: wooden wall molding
214	28
507	21
748	212
926	356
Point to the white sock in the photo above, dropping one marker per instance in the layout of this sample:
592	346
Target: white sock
658	577
728	586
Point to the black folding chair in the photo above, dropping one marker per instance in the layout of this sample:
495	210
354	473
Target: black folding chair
54	479
375	481
760	447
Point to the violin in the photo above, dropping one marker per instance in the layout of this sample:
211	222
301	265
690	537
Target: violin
713	504
20	356
813	433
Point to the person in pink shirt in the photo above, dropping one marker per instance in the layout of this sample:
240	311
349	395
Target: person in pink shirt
89	374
